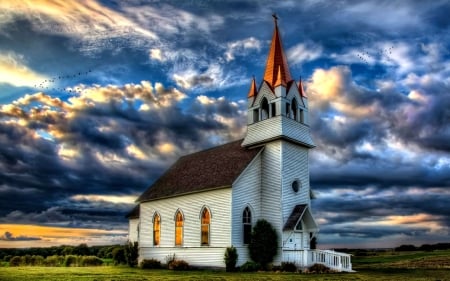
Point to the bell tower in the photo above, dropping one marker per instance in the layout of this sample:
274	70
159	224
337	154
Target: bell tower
278	120
278	108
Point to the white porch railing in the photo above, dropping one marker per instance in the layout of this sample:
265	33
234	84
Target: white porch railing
306	258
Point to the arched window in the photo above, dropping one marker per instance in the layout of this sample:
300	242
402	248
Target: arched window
156	229
205	222
294	109
247	225
179	223
264	109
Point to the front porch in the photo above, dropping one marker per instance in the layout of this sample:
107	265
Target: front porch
306	258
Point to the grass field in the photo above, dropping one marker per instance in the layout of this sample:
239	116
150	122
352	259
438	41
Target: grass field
408	266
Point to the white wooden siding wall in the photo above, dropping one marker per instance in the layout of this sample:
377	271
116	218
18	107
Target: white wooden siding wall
294	167
271	189
246	191
219	203
132	230
274	128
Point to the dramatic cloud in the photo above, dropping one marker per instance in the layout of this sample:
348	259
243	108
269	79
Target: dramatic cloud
85	127
112	140
15	72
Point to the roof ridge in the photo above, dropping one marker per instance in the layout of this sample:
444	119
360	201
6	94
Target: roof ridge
211	148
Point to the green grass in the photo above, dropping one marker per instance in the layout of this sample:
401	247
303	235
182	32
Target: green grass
410	266
123	273
390	259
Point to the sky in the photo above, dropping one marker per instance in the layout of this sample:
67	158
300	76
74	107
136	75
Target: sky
99	98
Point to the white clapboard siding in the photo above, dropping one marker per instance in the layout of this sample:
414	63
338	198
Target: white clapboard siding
246	191
276	127
294	167
219	203
271	188
133	225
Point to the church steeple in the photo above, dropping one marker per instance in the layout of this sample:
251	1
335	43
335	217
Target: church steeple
278	108
276	61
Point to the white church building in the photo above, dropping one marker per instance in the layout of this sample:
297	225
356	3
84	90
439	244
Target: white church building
209	200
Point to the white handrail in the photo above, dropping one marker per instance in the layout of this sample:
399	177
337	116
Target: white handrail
306	258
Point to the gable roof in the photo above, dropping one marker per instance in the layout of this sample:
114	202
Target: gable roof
133	214
300	212
208	169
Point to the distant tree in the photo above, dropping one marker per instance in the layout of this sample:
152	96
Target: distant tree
404	248
67	250
264	243
81	250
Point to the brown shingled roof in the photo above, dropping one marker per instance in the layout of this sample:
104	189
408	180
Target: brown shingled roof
212	168
297	212
134	214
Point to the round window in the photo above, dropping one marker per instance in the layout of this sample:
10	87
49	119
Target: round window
295	185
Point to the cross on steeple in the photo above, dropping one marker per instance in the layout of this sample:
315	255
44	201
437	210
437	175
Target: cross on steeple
275	18
277	68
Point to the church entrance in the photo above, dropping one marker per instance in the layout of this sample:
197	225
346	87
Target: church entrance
295	241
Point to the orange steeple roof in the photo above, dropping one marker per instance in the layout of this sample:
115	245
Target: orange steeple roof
253	92
276	62
300	88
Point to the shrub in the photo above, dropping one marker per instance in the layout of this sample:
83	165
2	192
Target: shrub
7	258
178	265
230	258
150	264
132	253
169	259
91	261
15	261
250	266
37	260
118	255
264	243
54	260
25	260
319	268
70	260
288	267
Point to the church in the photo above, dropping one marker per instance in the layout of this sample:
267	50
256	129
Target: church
209	200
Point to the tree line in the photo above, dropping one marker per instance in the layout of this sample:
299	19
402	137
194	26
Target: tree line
120	254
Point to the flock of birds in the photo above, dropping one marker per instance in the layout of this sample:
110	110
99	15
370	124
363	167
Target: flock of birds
365	56
49	84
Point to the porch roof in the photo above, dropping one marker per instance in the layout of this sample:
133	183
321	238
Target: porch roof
300	212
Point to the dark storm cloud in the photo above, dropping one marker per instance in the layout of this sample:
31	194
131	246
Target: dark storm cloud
102	140
87	151
8	236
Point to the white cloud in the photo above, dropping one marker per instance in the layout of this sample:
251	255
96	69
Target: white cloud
304	52
14	71
241	47
87	21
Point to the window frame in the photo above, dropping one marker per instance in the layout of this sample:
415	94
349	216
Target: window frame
156	221
205	227
246	225
179	228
